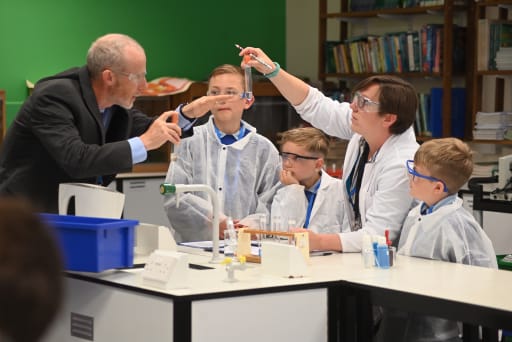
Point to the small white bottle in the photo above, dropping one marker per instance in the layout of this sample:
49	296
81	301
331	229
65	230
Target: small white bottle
230	239
367	251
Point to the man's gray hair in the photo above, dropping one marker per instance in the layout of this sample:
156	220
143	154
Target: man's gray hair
107	52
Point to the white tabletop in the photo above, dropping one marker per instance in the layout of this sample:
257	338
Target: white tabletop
460	283
456	282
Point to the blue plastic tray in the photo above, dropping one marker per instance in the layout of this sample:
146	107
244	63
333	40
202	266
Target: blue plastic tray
91	244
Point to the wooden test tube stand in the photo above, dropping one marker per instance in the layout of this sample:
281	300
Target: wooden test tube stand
301	240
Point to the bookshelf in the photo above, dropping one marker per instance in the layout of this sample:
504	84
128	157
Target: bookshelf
490	88
3	114
338	20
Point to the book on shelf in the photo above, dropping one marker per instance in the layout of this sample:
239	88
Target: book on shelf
372	5
457	113
425	3
441	2
344	56
431	37
362	5
496	93
413	51
392	52
483	44
436	66
503	58
459	49
421	123
500	36
493	120
329	52
489	134
492	125
431	44
494	32
405	51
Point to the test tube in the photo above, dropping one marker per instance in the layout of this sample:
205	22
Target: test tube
291	224
248	83
230	239
263	222
263	225
276	226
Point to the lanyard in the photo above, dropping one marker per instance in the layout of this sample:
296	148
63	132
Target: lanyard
355	178
311	199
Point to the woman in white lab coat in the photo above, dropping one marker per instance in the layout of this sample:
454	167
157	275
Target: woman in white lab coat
378	123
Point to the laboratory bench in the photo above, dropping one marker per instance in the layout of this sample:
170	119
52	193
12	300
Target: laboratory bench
332	303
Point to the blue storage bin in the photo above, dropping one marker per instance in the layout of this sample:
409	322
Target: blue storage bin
91	244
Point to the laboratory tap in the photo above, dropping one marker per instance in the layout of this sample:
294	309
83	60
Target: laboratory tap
232	264
166	188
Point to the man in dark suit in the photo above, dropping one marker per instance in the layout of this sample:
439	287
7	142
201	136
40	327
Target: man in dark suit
79	125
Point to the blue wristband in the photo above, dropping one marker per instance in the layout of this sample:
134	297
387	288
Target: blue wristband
274	72
180	110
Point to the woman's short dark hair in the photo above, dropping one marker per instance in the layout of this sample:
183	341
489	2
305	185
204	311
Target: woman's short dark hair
396	96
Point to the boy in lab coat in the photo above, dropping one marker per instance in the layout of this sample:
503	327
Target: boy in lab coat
226	153
310	198
438	228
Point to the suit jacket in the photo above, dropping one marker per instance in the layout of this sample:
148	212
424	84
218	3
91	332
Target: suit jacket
58	136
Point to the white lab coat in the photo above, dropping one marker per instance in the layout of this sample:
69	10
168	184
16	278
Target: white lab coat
384	198
245	176
449	233
290	202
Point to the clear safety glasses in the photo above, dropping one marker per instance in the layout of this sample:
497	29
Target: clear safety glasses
287	156
365	104
135	78
235	95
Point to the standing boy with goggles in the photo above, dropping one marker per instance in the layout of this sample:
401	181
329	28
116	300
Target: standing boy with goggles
227	154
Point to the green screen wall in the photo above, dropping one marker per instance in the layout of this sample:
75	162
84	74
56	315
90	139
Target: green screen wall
181	38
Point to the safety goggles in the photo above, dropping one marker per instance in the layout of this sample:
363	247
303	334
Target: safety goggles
363	103
295	157
412	171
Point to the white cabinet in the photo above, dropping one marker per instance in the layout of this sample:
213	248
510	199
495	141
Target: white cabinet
143	200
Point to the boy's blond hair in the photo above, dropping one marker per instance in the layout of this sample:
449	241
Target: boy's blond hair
448	159
313	139
227	69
